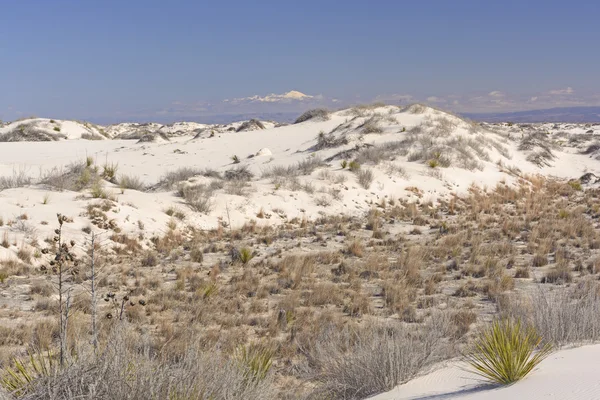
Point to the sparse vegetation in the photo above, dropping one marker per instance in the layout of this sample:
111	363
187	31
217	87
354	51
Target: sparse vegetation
131	182
365	178
317	114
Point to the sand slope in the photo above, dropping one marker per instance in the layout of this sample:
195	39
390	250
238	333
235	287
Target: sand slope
566	375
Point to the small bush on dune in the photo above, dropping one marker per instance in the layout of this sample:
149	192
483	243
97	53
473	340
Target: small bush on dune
304	167
371	125
16	180
506	352
250	125
365	178
328	140
172	178
197	197
239	174
131	182
317	113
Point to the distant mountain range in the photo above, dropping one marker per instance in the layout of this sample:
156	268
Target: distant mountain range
561	114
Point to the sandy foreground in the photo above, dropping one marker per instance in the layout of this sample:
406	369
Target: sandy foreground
567	375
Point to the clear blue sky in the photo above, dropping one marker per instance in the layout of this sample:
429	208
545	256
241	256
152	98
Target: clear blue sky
92	59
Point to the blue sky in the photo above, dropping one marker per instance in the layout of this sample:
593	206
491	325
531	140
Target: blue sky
112	60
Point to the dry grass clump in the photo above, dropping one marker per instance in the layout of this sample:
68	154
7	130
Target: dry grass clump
358	362
25	254
561	316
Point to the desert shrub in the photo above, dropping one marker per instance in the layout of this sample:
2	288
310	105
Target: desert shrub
365	177
75	176
175	212
307	166
172	178
317	113
198	197
328	140
371	125
250	125
149	259
304	167
381	152
17	179
575	184
242	173
196	255
558	275
90	136
506	351
129	369
358	362
562	317
131	182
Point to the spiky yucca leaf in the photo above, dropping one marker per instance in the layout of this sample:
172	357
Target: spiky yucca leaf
506	352
25	371
256	361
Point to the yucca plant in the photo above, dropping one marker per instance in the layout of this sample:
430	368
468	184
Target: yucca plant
506	352
15	380
256	360
246	255
110	171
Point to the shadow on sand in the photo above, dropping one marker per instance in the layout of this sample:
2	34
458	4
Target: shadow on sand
461	392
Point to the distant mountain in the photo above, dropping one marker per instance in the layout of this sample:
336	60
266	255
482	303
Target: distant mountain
561	114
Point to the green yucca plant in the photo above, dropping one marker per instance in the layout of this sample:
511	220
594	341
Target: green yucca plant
506	352
256	360
16	379
246	255
109	171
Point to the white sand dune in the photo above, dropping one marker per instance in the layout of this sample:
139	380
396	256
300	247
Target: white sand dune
566	375
479	155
